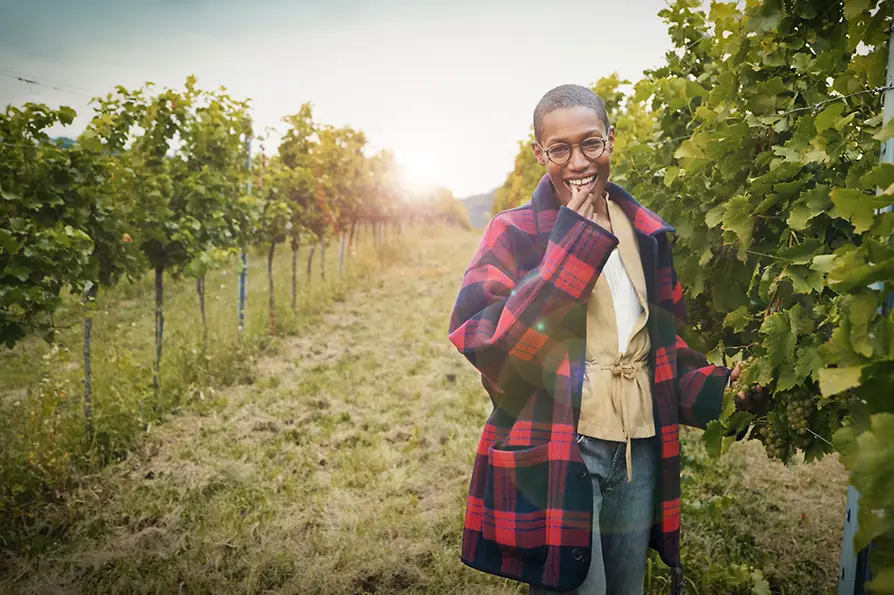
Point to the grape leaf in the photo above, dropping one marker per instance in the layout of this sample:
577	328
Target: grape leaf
787	378
801	253
66	115
829	116
800	215
836	380
807	363
670	175
847	278
861	309
779	340
715	216
803	280
824	263
880	176
738	319
885	132
858	207
737	218
853	8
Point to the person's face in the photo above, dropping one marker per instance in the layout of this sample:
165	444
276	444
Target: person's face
571	127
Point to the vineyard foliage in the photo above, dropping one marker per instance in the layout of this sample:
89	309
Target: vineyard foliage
158	181
759	140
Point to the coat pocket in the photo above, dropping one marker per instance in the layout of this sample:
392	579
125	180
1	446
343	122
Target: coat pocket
515	499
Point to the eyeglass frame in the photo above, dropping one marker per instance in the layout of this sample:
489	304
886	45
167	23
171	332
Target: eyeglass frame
605	144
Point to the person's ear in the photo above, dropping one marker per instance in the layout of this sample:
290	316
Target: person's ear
611	139
538	153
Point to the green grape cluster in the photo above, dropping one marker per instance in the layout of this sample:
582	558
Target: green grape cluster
796	409
787	429
774	441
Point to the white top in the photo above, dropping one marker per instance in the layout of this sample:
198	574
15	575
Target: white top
626	303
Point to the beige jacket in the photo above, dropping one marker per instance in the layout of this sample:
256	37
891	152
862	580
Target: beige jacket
616	402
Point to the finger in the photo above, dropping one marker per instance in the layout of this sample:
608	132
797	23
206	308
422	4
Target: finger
740	395
577	199
580	197
588	210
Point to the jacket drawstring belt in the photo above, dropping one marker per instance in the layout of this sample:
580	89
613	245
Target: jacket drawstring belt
624	371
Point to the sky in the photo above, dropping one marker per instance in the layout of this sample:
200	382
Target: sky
449	87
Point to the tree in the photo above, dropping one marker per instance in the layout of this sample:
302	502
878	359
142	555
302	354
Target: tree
211	183
44	246
273	224
295	155
177	217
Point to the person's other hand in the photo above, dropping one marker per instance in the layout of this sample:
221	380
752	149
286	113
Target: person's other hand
753	400
590	206
582	201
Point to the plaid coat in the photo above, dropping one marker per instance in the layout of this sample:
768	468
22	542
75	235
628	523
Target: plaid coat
520	319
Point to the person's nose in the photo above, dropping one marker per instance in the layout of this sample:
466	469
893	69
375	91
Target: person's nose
578	161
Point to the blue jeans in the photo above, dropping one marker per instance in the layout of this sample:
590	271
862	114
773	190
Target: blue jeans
622	516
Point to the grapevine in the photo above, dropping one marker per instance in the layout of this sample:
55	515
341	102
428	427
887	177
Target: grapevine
758	139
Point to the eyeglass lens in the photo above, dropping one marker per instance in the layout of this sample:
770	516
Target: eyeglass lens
591	147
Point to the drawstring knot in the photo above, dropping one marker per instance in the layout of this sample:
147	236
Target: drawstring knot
626	370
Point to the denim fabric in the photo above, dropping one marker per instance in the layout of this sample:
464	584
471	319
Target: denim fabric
622	516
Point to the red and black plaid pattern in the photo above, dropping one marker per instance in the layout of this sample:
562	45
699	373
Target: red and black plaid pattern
520	319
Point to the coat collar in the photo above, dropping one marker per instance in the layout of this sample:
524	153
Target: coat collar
546	207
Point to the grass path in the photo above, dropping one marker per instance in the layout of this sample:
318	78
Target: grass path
343	469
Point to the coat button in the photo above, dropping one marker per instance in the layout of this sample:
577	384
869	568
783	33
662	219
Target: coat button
577	554
582	473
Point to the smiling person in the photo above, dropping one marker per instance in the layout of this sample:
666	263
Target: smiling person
570	310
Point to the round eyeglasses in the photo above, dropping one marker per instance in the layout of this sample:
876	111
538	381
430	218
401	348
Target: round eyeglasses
560	153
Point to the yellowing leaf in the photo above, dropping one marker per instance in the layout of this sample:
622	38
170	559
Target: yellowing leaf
855	206
836	380
823	263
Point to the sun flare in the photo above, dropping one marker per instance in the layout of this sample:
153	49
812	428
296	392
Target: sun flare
418	172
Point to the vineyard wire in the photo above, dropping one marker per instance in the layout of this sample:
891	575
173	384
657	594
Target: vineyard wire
30	80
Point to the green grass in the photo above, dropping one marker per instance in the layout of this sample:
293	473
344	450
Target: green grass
42	441
343	465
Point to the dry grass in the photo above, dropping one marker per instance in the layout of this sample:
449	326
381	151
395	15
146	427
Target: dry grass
785	521
343	469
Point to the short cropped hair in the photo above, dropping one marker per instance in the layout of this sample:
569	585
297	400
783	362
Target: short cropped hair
568	96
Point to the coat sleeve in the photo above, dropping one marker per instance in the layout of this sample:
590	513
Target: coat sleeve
701	384
509	326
